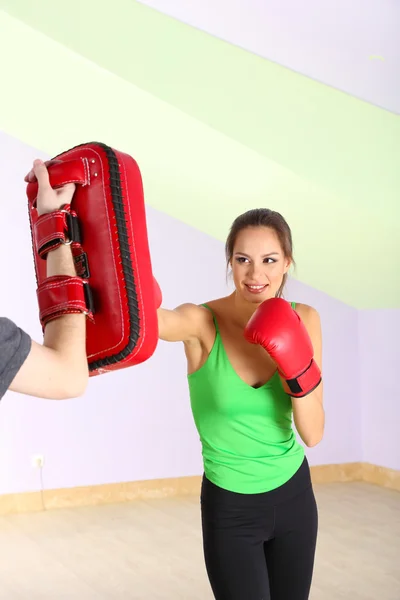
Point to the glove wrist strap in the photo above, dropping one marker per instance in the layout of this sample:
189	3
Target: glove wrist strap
305	382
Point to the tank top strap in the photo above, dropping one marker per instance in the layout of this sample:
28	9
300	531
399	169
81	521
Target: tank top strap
214	317
293	305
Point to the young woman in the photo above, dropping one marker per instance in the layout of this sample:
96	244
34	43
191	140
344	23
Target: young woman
254	363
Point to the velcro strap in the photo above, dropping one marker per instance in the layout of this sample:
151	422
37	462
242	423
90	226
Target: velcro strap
56	228
306	382
62	295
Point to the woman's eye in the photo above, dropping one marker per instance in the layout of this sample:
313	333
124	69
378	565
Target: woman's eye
268	260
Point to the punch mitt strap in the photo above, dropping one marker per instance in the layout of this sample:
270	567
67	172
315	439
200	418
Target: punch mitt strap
73	170
63	295
56	228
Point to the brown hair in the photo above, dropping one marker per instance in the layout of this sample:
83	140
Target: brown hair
262	217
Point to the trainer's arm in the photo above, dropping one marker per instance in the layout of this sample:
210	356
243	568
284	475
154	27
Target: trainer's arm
182	324
58	369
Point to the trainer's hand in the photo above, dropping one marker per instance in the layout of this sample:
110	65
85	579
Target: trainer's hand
48	199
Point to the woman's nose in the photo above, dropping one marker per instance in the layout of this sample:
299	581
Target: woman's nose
256	271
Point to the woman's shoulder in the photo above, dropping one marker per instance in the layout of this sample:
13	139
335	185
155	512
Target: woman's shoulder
309	315
214	304
304	309
218	306
193	311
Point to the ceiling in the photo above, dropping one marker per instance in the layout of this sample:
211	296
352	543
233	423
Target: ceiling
296	110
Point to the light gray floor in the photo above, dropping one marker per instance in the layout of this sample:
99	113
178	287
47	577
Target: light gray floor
152	549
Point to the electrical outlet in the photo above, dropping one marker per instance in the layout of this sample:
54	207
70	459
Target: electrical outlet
37	461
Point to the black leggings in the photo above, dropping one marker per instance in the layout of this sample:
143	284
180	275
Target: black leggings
260	546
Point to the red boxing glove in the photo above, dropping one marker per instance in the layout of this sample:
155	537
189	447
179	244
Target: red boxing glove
281	332
157	293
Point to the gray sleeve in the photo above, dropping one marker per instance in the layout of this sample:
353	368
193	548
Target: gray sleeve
15	346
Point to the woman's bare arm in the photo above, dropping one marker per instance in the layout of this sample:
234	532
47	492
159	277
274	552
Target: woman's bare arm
183	324
308	412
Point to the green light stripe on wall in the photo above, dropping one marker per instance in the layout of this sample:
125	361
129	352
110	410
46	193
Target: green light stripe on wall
317	132
53	99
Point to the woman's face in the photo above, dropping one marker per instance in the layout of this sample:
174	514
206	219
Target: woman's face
258	264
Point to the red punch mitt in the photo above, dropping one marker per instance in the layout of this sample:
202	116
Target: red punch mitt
107	230
281	332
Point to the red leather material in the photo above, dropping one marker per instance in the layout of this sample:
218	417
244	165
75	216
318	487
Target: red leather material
307	381
60	295
280	331
50	231
72	169
114	256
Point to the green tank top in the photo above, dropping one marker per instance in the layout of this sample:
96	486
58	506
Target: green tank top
248	443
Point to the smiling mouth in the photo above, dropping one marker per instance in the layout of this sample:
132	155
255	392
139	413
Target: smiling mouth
256	289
